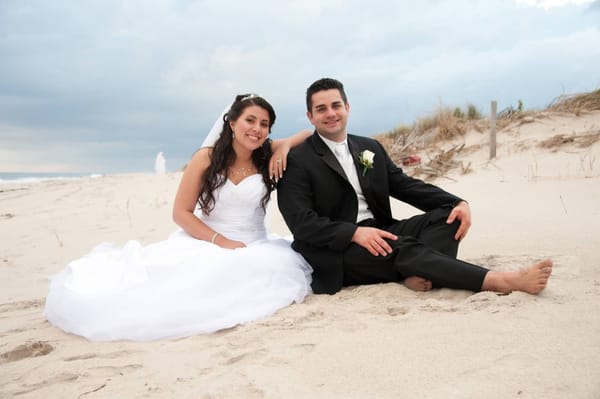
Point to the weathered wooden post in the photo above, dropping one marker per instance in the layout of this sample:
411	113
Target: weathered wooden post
493	131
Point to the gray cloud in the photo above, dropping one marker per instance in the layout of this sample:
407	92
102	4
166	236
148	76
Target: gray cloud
107	84
595	6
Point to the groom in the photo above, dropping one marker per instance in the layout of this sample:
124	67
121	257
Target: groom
335	200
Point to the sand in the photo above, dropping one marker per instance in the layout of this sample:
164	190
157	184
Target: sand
379	341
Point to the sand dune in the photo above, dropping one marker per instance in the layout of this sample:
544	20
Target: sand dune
533	201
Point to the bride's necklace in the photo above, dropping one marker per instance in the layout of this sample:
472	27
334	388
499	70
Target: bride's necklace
242	171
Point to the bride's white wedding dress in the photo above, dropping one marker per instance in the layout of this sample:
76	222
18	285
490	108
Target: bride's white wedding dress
182	286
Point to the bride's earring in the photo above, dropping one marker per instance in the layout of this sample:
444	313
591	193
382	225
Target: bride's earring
232	136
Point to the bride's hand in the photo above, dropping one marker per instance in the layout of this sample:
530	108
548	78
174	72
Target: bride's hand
278	161
281	148
224	242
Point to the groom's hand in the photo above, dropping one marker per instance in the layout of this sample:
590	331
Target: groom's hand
373	240
462	212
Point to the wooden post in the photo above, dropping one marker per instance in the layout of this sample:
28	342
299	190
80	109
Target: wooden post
493	131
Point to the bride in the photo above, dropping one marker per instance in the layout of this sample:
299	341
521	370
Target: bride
218	271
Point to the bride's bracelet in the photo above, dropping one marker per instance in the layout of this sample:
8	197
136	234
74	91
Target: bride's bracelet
214	237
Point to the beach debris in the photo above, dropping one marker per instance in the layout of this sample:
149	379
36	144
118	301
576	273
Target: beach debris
442	162
60	241
411	160
93	390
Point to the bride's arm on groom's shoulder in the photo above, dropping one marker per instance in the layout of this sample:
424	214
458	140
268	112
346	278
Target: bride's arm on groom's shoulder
280	148
186	200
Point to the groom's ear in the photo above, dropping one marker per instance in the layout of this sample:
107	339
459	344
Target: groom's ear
309	116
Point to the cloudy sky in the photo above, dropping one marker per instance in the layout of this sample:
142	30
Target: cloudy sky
102	86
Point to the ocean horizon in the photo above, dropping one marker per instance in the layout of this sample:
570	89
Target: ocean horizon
16	177
29	177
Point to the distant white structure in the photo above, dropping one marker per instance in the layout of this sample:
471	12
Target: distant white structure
160	164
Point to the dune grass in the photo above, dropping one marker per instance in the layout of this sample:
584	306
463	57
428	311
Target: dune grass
577	103
448	124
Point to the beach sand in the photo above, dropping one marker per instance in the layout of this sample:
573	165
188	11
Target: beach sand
379	341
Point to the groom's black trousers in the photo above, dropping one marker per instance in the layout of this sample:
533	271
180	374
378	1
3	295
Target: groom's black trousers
425	248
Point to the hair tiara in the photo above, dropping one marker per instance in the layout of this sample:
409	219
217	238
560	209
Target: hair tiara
249	96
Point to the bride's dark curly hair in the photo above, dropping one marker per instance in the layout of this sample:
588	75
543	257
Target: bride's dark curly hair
223	155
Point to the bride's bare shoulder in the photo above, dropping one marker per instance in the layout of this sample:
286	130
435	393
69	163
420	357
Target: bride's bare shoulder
201	159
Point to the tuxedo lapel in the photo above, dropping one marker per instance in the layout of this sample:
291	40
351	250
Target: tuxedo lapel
364	180
327	156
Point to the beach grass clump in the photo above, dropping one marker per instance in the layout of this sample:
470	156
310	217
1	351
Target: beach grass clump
444	124
447	124
511	112
398	136
451	127
576	103
473	113
405	143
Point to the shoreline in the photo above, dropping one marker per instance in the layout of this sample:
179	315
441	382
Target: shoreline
36	177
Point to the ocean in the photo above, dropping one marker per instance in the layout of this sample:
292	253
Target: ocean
21	177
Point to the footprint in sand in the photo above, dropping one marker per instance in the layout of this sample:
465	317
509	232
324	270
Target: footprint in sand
397	310
229	390
310	316
60	379
291	354
254	354
110	355
34	349
21	305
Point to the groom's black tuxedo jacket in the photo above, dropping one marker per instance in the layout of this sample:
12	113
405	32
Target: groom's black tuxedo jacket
320	206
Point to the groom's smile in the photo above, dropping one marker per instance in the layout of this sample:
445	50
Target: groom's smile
329	114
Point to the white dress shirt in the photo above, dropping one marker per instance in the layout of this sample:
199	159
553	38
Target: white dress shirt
342	153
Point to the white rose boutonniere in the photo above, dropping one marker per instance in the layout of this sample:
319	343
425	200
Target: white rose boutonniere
366	160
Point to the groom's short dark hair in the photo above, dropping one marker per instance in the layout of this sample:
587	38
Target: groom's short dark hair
324	84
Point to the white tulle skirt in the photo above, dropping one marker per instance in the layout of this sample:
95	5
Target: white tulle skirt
174	288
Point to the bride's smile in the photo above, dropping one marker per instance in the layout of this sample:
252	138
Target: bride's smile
251	129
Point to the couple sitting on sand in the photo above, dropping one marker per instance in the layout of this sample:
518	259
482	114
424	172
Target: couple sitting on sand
222	268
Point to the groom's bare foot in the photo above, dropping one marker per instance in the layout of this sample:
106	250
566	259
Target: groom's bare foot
417	283
532	279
